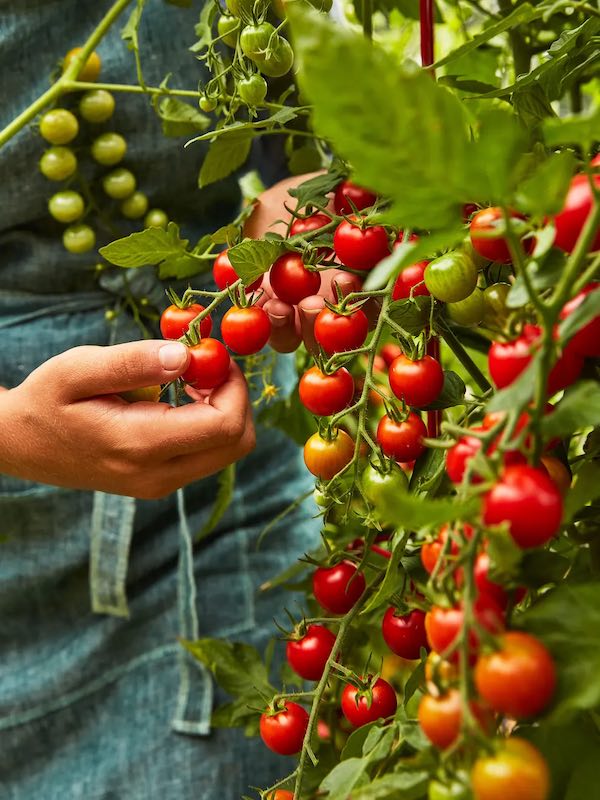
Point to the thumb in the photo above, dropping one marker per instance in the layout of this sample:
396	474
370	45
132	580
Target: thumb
90	371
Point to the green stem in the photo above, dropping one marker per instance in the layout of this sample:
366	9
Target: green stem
462	355
367	15
84	86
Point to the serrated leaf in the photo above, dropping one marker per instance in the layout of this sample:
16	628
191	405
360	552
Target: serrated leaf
225	155
544	192
252	258
179	118
356	741
203	28
578	409
222	501
150	246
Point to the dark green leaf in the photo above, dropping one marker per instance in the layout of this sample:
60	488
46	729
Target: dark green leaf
315	190
344	778
542	567
543	274
222	501
428	471
412	314
453	392
150	246
237	667
179	118
583	784
415	682
394	575
545	191
252	258
355	742
407	785
581	129
225	234
412	512
225	155
585	489
579	408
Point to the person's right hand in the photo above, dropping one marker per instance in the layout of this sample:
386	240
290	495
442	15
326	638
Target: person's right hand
66	425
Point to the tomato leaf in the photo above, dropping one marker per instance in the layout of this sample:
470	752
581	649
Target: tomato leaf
150	246
581	129
579	408
129	34
543	274
315	190
179	118
393	579
428	471
585	489
412	511
203	28
344	778
542	567
238	668
412	314
224	496
416	680
407	784
252	258
544	192
452	394
225	155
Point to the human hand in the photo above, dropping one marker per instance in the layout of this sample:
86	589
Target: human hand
66	425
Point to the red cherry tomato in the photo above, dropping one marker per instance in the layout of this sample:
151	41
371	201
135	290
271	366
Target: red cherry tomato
307	656
419	382
338	588
323	394
519	679
389	352
209	365
411	282
291	280
440	717
308	224
360	248
174	321
405	635
483	225
443	625
283	731
431	551
326	457
402	441
459	455
245	330
224	274
577	208
487	587
361	707
586	341
337	333
517	771
360	197
529	501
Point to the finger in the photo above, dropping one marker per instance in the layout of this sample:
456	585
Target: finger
270	207
308	310
90	371
285	336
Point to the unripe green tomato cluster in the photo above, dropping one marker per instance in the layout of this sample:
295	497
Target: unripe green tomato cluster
229	29
97	106
58	163
79	238
59	126
271	53
451	277
119	184
109	148
66	206
135	206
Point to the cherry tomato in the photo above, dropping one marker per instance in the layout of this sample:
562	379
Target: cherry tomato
307	656
468	312
323	394
517	771
254	40
496	310
291	280
577	208
484	226
108	149
307	224
156	218
174	321
451	277
209	364
459	456
389	352
485	586
79	238
411	282
338	333
586	341
119	184
283	730
245	330
361	707
97	106
518	679
252	90
280	59
360	248
440	717
418	383
443	625
135	206
91	68
431	551
338	588
229	30
281	794
384	489
59	126
405	634
66	206
207	104
347	191
224	274
558	472
402	441
529	501
326	457
58	163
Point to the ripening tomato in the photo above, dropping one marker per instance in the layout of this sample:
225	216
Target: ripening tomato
485	228
339	332
224	274
291	280
487	587
245	330
417	382
440	717
368	705
326	457
518	679
174	321
443	625
338	588
431	551
586	341
283	730
90	70
517	770
577	208
451	277
405	634
468	312
411	282
360	247
209	364
390	351
323	394
307	656
281	794
384	489
459	455
359	196
402	441
529	501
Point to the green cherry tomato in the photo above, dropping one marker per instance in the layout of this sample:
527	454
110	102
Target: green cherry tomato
66	206
59	126
207	104
58	163
119	184
234	7
156	218
79	238
254	40
496	310
229	29
108	149
451	277
384	490
252	90
135	206
97	105
448	791
469	311
280	59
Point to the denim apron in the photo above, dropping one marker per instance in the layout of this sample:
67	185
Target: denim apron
97	698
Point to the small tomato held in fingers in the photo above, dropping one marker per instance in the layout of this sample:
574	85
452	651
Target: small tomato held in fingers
175	321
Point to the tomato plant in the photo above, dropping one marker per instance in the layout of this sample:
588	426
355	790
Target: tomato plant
245	330
209	364
324	394
175	321
363	706
291	280
283	730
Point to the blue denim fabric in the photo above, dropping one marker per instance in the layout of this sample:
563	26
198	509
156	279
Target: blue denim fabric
88	701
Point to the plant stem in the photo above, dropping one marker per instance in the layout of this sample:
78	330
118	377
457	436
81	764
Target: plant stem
367	15
462	355
83	86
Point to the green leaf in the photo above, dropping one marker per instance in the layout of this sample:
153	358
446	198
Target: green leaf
252	258
179	118
415	682
452	394
224	496
315	190
579	408
581	129
181	266
585	312
251	186
544	192
203	29
150	246
585	489
428	471
225	155
344	778
583	784
394	575
542	567
543	274
129	34
407	785
412	314
412	512
565	620
237	667
520	391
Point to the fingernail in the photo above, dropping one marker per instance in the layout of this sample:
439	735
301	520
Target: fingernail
172	356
